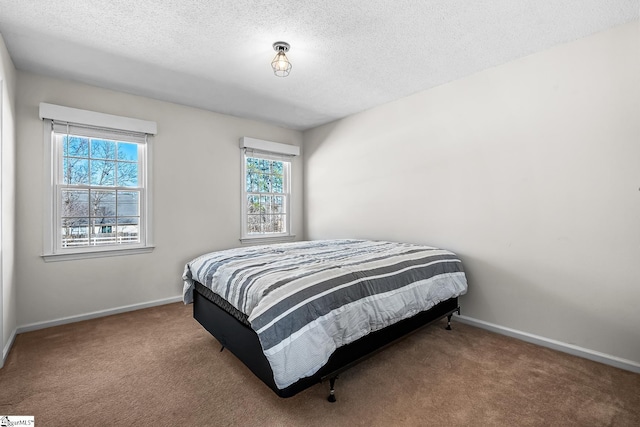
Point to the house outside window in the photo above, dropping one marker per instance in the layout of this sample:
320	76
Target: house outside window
98	187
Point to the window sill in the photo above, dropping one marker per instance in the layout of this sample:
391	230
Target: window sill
97	253
259	240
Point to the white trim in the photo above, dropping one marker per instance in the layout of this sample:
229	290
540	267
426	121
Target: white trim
96	314
93	118
148	194
269	146
48	241
596	356
262	240
7	348
97	253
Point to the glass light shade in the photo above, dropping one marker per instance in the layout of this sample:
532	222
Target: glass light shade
281	65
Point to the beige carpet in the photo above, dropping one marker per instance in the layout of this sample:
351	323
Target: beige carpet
160	367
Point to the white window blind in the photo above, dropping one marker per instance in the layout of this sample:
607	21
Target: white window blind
268	147
96	132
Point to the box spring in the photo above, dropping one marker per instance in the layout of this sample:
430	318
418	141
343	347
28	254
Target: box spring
227	326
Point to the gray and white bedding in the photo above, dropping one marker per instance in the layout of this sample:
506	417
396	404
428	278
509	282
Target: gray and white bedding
306	299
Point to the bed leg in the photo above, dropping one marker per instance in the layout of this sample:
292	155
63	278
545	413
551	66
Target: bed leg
448	328
332	390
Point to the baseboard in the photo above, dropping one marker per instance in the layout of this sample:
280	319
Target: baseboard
607	359
96	314
5	350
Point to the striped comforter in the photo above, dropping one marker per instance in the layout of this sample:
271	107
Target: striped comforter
305	299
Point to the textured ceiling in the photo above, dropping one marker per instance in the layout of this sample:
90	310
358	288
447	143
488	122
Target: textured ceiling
347	55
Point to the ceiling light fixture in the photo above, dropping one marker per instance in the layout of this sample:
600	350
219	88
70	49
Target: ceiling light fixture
281	65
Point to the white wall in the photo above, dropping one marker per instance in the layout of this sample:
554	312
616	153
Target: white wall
8	316
196	195
530	171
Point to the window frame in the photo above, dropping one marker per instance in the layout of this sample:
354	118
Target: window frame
286	194
267	150
54	184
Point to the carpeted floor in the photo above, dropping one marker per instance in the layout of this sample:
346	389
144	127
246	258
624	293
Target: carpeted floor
159	367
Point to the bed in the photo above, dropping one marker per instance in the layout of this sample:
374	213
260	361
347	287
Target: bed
299	313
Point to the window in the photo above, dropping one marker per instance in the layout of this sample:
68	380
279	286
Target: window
266	184
267	195
98	192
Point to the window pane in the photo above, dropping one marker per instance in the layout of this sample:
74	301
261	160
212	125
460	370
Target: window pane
75	171
76	146
264	165
103	205
75	233
265	204
101	149
103	231
128	230
268	204
103	172
127	174
128	203
127	151
75	203
277	184
252	182
277	168
268	224
277	223
254	223
264	183
278	202
252	165
253	204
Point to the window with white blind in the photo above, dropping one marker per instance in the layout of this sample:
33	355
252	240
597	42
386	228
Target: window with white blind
266	190
98	189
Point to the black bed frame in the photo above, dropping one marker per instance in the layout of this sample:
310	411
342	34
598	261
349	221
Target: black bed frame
243	342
